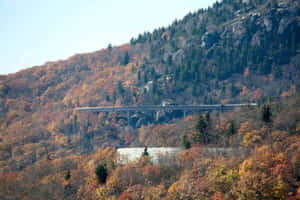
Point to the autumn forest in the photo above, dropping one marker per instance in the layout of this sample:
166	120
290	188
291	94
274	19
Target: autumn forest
233	52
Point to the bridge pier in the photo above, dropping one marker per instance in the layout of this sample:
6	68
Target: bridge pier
156	108
128	118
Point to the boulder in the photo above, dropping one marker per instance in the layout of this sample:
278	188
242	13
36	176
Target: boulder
284	24
256	39
178	56
208	39
238	32
268	24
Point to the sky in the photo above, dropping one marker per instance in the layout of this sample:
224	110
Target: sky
33	32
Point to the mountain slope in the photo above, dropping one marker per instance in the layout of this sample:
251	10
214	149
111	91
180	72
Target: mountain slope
234	52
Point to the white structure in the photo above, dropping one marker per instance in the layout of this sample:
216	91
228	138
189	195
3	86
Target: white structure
155	153
168	155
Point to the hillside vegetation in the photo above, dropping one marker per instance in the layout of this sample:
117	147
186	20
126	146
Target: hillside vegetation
265	164
234	52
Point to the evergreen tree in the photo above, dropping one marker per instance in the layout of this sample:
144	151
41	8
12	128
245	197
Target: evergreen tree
207	119
120	88
109	47
230	130
145	153
201	135
266	113
139	75
75	124
185	142
126	58
145	78
101	173
68	175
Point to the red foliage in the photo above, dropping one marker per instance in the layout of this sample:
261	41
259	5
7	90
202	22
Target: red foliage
125	196
134	57
152	173
189	156
128	138
189	117
18	84
246	72
125	47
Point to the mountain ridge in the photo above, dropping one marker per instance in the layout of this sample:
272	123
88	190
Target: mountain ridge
200	59
237	51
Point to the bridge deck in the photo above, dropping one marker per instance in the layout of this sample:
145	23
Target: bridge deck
166	108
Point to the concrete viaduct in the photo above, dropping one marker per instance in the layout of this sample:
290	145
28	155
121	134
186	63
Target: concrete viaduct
184	108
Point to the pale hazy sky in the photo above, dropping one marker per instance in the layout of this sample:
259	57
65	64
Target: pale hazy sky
33	32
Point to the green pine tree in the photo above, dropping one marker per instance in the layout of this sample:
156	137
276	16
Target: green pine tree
68	175
266	113
101	173
185	142
145	153
201	135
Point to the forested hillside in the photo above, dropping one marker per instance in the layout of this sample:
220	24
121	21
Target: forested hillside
234	52
265	163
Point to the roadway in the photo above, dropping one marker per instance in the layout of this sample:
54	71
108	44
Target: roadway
164	108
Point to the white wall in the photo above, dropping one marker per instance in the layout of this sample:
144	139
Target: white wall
130	154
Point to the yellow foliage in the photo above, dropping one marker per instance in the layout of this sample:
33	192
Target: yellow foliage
118	102
154	193
103	193
248	139
84	87
263	150
245	91
127	83
298	127
245	166
279	135
91	163
173	189
298	193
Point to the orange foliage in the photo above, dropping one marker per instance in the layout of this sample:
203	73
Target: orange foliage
225	101
165	36
128	138
245	91
173	188
245	128
257	95
189	118
289	93
118	102
100	117
12	104
19	84
127	83
181	38
152	174
217	196
189	156
246	72
134	57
